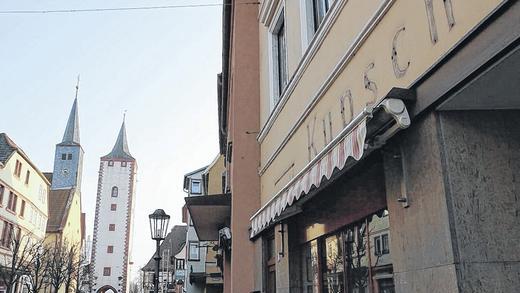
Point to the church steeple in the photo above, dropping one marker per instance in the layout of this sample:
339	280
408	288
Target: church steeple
71	135
68	158
120	149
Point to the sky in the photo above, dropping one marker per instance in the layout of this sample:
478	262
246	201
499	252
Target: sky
160	66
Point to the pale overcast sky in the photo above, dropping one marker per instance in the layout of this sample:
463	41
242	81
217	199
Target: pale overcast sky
159	65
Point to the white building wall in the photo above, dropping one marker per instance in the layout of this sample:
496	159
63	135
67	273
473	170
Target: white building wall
198	266
124	179
34	194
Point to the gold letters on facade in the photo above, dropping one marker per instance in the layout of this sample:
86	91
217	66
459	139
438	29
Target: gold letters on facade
370	84
398	71
311	148
448	8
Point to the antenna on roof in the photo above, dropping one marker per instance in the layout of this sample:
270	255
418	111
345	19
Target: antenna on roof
77	87
124	115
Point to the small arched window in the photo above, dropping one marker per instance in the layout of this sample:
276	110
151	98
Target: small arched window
114	191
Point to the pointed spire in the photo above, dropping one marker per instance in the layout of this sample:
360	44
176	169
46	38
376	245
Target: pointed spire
120	149
71	135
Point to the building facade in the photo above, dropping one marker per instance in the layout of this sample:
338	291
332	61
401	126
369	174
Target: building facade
172	268
66	221
381	145
370	145
111	245
23	202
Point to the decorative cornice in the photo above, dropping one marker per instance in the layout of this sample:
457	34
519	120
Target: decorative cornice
267	10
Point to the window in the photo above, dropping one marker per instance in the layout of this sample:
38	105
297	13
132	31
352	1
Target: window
18	169
110	249
63	157
107	271
179	264
113	207
111	227
279	57
385	244
114	191
2	189
69	157
319	10
11	204
123	164
22	209
110	163
342	262
27	175
195	187
194	252
7	234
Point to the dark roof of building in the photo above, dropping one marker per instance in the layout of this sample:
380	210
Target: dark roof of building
48	175
8	147
174	242
120	149
60	201
71	135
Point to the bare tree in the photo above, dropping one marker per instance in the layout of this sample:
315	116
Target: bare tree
37	268
16	263
57	269
74	259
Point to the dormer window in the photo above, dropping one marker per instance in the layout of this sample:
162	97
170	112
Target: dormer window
195	187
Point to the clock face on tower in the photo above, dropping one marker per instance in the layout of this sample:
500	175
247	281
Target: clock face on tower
65	172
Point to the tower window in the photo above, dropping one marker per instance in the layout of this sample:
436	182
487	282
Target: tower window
123	164
111	227
107	271
110	249
114	191
27	175
113	207
63	157
110	163
69	156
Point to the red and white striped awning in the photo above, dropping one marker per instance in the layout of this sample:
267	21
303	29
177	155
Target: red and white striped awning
350	144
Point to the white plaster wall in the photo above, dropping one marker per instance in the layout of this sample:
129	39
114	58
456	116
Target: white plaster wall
35	195
120	177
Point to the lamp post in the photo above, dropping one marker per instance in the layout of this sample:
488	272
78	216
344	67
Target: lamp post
158	228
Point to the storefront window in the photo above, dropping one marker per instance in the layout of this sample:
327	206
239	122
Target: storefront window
356	259
310	268
333	265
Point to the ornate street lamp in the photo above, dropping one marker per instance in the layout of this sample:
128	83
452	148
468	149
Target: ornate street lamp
158	228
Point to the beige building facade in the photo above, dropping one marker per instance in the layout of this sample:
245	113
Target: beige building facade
365	108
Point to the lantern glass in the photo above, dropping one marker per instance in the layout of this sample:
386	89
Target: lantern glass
159	224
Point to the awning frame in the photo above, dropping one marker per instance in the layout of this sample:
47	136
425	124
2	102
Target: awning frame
392	116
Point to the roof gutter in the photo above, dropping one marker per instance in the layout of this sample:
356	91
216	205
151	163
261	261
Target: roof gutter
224	76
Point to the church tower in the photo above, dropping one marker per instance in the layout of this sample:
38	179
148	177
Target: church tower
113	218
68	158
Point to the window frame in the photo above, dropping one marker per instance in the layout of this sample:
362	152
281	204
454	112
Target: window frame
27	177
111	163
69	156
22	208
199	182
12	201
276	84
107	271
113	207
110	249
2	192
114	190
190	243
123	164
63	156
111	227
